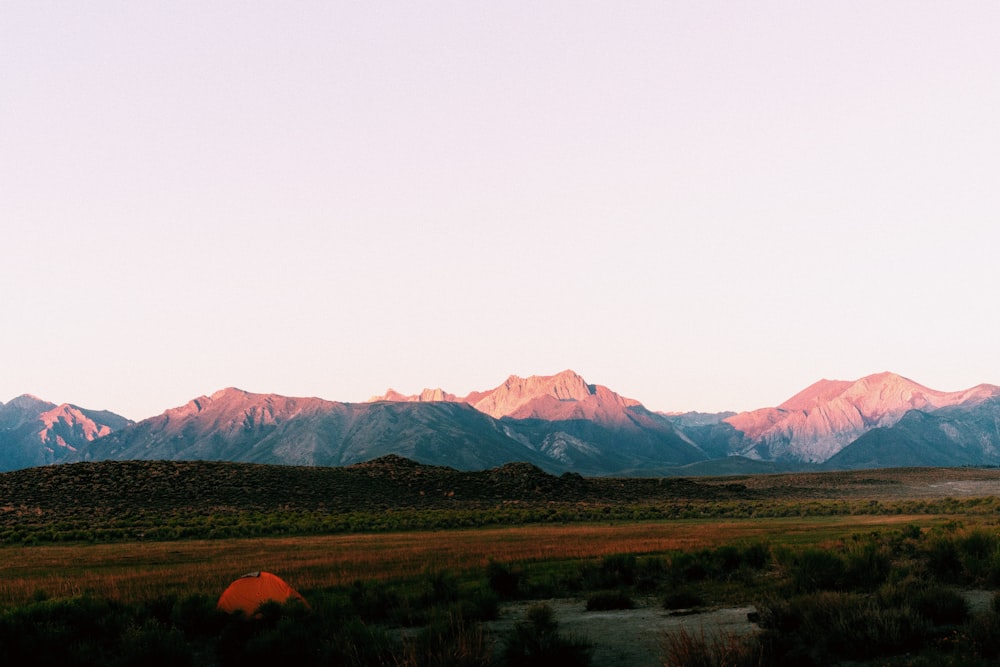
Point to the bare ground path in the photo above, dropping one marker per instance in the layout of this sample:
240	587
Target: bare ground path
631	637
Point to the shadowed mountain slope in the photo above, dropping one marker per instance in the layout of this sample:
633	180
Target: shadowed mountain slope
35	432
820	421
234	425
558	423
952	436
582	427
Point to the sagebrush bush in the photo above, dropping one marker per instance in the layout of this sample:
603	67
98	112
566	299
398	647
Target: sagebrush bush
817	570
686	649
826	627
651	573
983	634
503	579
197	615
756	556
375	601
943	559
866	567
940	605
617	570
449	640
153	644
479	604
68	632
685	566
536	642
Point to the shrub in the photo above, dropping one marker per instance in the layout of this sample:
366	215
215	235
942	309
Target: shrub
826	627
756	556
983	632
817	569
277	633
650	574
197	616
980	558
354	644
65	632
536	642
727	559
689	567
154	644
609	600
866	567
374	601
944	560
683	649
937	604
617	570
503	580
450	640
479	603
440	587
940	605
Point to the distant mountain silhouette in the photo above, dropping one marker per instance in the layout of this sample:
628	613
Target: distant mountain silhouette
823	419
234	425
558	423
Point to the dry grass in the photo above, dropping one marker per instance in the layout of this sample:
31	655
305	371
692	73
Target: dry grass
145	570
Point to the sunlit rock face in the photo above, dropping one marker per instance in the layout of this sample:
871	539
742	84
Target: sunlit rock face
821	420
563	396
37	432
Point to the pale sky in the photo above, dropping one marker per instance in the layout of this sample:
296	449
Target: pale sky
702	205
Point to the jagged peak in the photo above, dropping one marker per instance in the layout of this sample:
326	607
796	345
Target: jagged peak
565	395
565	385
427	395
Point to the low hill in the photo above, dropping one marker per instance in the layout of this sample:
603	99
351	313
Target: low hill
168	500
386	483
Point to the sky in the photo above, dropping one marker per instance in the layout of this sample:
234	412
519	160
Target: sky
701	205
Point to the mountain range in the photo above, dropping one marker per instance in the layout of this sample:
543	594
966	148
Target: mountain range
559	423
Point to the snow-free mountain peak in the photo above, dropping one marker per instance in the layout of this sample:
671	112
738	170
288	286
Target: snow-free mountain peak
565	395
819	421
558	422
425	396
22	409
34	431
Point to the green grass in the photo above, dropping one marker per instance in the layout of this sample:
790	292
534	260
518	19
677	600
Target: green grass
844	555
816	605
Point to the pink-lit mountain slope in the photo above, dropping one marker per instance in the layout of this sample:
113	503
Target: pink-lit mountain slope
581	426
821	420
234	425
35	432
559	397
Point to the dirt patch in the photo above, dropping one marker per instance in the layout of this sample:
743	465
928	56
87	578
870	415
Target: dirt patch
632	637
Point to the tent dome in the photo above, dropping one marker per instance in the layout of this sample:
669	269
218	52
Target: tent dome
250	591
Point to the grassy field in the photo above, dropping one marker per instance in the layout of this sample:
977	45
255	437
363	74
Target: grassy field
121	563
139	571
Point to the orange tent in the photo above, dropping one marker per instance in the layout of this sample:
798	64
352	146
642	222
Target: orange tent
252	590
